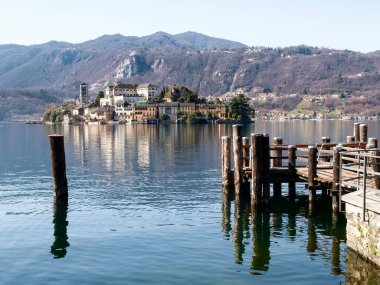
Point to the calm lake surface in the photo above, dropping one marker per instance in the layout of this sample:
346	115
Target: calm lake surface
145	206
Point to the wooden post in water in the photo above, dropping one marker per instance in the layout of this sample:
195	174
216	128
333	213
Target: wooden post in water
256	165
246	184
237	131
292	171
58	166
277	162
357	132
363	133
312	174
265	170
372	143
350	139
226	164
335	183
245	141
325	157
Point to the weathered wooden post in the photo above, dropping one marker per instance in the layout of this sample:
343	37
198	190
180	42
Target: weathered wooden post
265	170
292	170
245	141
363	133
246	184
372	143
58	166
277	162
226	164
335	183
237	131
325	157
350	139
256	165
357	132
312	171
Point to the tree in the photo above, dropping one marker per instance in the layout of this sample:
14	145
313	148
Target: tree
164	117
98	97
239	108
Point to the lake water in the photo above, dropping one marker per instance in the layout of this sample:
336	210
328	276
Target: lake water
145	206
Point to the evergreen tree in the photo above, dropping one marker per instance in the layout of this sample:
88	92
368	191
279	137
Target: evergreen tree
239	108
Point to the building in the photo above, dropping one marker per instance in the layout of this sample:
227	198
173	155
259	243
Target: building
78	111
149	91
188	108
120	95
169	109
216	110
83	94
105	113
140	113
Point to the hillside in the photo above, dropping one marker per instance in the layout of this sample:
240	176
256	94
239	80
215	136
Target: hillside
207	65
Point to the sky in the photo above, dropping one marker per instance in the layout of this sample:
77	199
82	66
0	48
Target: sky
339	24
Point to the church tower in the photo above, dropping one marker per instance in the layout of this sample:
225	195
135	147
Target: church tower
83	94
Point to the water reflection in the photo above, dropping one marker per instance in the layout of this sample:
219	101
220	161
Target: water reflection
241	228
360	271
261	241
58	248
321	233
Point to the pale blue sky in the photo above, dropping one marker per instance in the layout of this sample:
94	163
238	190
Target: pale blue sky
341	24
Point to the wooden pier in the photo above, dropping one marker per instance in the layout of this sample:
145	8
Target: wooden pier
326	168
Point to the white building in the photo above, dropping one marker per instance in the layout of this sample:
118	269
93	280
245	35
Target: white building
121	95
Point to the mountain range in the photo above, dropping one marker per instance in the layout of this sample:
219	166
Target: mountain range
207	65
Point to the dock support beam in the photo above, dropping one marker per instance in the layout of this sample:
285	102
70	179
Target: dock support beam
325	140
265	170
58	166
357	132
335	183
226	164
238	159
372	143
292	171
256	164
363	133
277	162
350	139
245	141
312	174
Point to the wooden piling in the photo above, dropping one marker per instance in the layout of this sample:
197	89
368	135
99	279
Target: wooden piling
372	143
325	157
256	163
375	162
292	170
312	171
335	183
58	166
350	139
277	162
226	164
363	133
357	132
265	170
245	141
237	131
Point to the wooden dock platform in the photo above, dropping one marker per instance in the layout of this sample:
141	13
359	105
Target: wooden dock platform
334	169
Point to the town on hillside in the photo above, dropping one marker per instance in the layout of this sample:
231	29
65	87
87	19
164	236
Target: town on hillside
145	103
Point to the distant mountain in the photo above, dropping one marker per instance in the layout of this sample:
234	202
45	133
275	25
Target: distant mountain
209	66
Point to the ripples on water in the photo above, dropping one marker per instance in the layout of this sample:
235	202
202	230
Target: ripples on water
145	206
